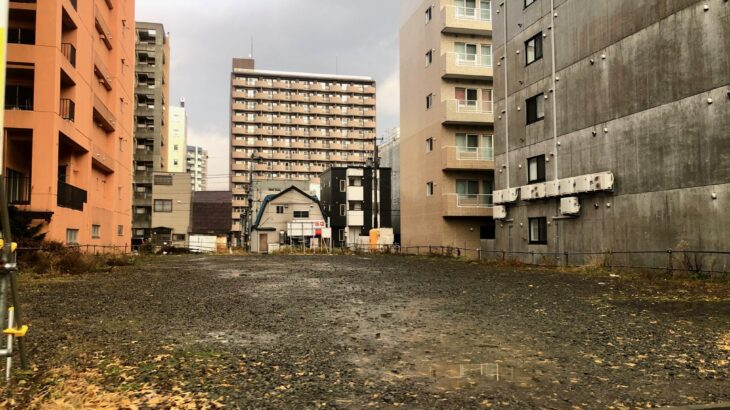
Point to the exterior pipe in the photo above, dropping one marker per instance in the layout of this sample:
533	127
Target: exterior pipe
506	96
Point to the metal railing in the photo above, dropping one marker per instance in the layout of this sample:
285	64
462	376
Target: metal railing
18	189
67	110
472	106
474	153
472	60
473	200
69	51
71	197
473	13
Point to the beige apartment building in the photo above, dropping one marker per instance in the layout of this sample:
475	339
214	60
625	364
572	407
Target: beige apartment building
447	118
171	208
177	139
293	126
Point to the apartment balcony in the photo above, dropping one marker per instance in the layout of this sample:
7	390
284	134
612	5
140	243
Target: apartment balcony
282	144
337	146
476	206
299	144
368	89
264	119
470	112
466	66
335	123
317	145
103	117
263	96
299	97
264	107
466	20
320	110
297	85
17	189
319	157
355	218
281	155
69	51
355	193
300	132
354	158
264	83
300	109
282	96
101	160
142	199
320	122
67	109
368	112
143	177
300	168
282	84
102	73
71	197
142	220
317	168
467	159
368	101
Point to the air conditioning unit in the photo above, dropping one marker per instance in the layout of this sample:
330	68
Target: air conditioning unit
552	189
567	186
602	181
539	191
511	195
570	205
499	212
583	183
498	197
526	193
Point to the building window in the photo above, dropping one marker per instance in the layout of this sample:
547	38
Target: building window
301	214
343	185
163	205
280	209
429	144
72	236
488	231
429	188
429	57
140	210
343	210
533	49
536	169
429	101
538	231
535	109
96	231
163	179
120	230
429	14
178	237
528	2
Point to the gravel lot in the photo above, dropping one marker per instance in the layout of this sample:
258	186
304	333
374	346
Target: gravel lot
369	332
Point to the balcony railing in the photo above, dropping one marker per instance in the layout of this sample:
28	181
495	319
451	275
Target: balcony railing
474	153
471	13
73	3
472	60
71	197
17	189
474	106
67	111
473	200
69	51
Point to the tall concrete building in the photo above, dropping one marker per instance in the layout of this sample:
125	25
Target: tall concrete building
614	126
69	117
177	141
197	167
447	162
151	131
293	126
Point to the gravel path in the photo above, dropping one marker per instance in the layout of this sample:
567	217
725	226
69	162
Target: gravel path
373	332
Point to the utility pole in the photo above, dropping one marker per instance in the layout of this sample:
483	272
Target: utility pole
376	166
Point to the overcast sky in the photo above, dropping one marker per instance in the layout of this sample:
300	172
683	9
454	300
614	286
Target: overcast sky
352	37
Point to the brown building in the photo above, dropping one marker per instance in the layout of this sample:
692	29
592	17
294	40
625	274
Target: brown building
293	126
446	156
152	96
69	117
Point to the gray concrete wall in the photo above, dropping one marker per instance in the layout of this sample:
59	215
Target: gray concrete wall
635	81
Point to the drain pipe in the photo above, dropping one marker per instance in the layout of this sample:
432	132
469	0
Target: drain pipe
506	96
556	146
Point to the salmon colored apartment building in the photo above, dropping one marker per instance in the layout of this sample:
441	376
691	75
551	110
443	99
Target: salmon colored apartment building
69	115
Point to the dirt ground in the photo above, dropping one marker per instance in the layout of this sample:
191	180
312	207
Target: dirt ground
368	332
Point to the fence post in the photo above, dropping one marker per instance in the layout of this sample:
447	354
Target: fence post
567	262
504	256
669	265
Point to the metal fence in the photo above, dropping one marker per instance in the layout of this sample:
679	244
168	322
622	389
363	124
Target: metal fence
700	262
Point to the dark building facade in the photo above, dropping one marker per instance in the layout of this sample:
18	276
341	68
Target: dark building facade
211	213
353	204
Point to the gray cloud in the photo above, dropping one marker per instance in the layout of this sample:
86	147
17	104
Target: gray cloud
289	35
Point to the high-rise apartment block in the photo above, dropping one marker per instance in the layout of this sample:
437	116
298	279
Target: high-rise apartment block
447	161
177	139
69	117
151	131
614	127
293	126
197	167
